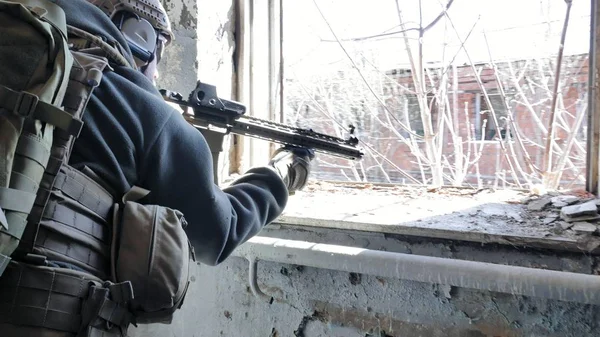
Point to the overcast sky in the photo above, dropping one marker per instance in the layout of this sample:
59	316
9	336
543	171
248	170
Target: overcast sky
515	29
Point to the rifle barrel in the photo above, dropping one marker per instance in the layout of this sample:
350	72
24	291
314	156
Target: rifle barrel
288	135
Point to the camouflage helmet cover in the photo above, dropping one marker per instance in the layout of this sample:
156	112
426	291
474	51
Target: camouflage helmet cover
151	10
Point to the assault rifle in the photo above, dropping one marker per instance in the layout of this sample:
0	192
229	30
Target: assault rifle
223	116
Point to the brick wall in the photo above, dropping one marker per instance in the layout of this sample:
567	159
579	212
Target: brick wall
529	100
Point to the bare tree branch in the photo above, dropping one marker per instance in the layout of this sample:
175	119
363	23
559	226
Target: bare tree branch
550	138
358	70
489	103
426	28
422	122
439	17
417	75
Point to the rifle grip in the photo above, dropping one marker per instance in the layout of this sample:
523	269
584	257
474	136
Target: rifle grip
215	143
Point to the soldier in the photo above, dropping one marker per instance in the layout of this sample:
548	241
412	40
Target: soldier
59	280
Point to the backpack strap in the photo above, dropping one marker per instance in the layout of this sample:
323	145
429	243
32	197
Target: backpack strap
28	105
86	40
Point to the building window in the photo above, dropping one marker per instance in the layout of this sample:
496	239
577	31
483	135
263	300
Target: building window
485	128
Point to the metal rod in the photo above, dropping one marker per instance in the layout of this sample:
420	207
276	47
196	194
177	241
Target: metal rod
241	65
273	61
548	170
281	75
253	278
557	285
593	125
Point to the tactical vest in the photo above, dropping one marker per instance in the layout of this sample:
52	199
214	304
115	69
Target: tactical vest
75	258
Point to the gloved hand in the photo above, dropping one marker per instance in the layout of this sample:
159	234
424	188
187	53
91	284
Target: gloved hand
293	165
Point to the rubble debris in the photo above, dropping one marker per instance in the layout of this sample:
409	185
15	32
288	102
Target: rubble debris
539	204
584	227
560	227
565	225
493	210
585	211
516	216
573	209
581	218
564	200
470	210
550	218
559	203
587	208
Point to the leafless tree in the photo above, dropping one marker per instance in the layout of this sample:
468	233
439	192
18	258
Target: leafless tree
523	122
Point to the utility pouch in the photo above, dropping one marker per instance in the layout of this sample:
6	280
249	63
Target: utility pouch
151	250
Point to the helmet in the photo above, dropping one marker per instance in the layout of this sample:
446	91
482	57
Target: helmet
140	21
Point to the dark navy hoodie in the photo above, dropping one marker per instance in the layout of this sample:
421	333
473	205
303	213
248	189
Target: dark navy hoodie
132	137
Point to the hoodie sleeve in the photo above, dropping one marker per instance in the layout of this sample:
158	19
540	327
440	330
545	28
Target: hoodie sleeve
178	171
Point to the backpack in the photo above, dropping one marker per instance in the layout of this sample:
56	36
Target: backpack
54	215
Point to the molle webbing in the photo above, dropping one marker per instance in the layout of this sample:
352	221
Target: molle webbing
62	300
74	224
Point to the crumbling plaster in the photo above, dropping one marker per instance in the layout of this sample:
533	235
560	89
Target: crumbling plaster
202	48
178	67
316	302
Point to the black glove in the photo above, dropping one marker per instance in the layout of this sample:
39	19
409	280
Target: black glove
293	166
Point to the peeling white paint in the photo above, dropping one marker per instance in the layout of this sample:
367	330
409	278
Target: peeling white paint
183	13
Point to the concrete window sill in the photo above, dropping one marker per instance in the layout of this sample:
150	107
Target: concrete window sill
451	213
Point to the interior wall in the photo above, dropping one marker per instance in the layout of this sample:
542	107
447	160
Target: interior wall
179	66
314	302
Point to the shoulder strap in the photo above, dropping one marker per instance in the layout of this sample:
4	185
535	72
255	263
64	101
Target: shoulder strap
109	51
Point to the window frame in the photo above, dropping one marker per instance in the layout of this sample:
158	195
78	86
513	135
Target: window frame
261	86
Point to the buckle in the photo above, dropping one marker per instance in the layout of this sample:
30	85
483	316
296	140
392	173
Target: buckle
3	220
4	260
75	128
35	259
120	292
26	104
